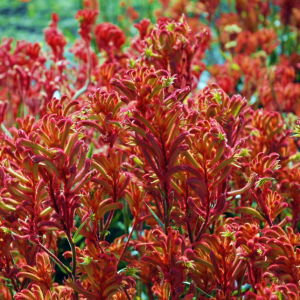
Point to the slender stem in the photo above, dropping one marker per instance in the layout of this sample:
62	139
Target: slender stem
165	197
274	93
126	217
55	258
158	207
98	235
109	218
225	275
241	284
167	215
149	291
188	225
14	284
195	228
73	248
101	225
190	232
203	227
127	242
111	213
127	295
251	278
24	284
201	231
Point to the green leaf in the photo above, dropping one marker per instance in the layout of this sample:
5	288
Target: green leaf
188	283
162	193
6	131
90	153
156	218
80	227
249	210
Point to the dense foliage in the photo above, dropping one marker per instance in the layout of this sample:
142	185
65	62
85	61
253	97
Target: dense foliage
121	173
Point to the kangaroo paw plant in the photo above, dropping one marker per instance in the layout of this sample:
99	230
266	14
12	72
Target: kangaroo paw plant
123	176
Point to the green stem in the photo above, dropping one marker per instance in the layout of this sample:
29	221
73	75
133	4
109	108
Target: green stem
109	218
167	208
127	242
73	248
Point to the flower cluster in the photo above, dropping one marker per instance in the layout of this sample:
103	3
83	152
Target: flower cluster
120	178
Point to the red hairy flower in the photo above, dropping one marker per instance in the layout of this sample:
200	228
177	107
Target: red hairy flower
109	37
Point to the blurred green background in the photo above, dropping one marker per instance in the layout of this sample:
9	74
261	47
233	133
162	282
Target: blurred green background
27	20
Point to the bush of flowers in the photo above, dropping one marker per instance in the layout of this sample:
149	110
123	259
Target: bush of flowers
120	173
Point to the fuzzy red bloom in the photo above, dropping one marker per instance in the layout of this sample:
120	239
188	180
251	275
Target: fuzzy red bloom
109	37
55	38
86	18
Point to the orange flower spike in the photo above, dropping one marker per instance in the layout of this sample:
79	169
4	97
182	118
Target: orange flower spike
42	274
